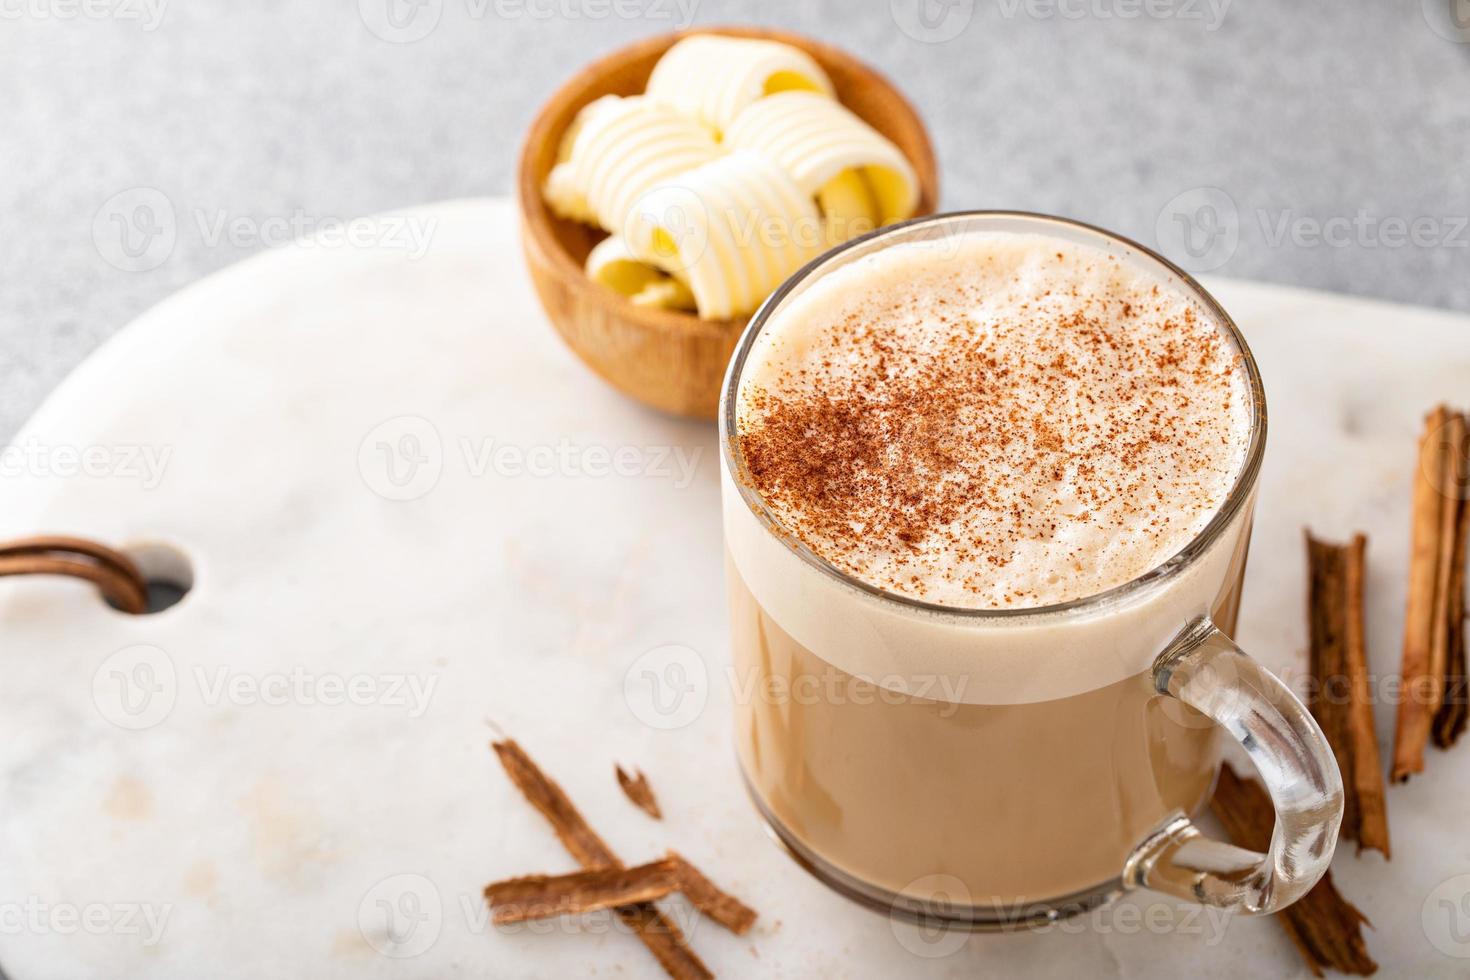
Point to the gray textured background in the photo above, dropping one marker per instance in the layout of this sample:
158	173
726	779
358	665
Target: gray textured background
1238	124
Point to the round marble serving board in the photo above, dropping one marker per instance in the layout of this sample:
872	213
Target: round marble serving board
411	514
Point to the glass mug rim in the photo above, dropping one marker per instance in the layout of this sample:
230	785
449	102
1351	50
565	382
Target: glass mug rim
1241	489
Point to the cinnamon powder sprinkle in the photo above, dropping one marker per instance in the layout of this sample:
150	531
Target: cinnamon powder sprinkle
1008	426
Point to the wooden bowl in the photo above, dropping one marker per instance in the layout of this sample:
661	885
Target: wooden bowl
670	360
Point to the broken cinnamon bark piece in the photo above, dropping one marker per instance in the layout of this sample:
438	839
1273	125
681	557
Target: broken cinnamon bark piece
657	932
545	896
724	908
574	832
639	792
1339	698
1325	928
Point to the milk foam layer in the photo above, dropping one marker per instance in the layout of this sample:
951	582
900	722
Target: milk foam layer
993	420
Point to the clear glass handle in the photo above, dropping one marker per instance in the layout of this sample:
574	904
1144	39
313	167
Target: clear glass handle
1203	668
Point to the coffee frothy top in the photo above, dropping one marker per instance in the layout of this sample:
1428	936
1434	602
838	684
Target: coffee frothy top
993	420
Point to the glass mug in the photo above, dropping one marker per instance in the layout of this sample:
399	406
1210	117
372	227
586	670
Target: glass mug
1053	757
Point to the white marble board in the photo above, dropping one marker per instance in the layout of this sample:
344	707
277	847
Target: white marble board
251	783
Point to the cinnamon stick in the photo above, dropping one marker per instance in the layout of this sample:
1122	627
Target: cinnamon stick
720	906
639	792
1449	722
1339	697
544	896
1326	929
1450	438
1433	644
662	937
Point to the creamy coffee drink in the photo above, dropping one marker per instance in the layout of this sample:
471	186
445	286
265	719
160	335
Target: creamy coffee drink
932	444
